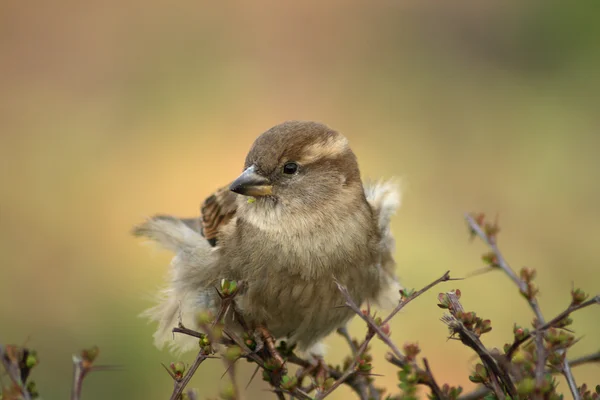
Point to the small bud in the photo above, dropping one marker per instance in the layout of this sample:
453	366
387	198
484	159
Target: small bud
233	353
527	274
328	383
520	332
519	357
228	288
272	365
228	393
556	358
490	259
178	369
31	360
578	296
526	386
32	389
468	318
266	375
411	350
548	384
443	301
481	371
491	230
406	293
289	383
566	321
385	328
204	317
203	341
89	355
480	375
486	326
217	332
249	341
364	364
479	219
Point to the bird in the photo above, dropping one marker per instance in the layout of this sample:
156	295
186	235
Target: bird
296	221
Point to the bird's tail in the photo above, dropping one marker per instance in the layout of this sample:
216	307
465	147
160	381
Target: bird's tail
385	198
192	273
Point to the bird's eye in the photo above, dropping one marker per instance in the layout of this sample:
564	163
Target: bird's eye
290	168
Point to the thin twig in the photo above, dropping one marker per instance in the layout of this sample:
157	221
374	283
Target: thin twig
186	331
572	308
435	388
363	384
180	385
376	329
590	358
533	303
12	369
568	374
373	326
541	361
350	370
352	383
503	264
79	372
471	340
403	303
481	391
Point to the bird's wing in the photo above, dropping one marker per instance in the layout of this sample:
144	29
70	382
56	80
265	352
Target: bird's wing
384	198
216	211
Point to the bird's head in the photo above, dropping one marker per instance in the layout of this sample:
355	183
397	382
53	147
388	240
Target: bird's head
299	164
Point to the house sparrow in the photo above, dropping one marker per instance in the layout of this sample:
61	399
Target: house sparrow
309	220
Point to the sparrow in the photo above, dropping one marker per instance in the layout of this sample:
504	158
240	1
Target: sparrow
297	219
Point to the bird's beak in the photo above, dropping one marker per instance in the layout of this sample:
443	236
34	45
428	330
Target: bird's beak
250	183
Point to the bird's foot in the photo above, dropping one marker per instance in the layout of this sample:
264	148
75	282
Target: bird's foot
269	341
321	372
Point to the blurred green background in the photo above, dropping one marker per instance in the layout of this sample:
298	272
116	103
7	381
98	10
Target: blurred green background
112	111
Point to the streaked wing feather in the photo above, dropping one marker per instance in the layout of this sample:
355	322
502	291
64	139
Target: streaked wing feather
216	211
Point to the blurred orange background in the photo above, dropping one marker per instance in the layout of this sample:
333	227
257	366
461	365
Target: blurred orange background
113	111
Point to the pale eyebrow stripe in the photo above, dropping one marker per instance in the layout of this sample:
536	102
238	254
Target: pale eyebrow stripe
332	147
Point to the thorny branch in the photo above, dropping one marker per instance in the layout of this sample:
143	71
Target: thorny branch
411	297
11	365
350	370
376	329
487	233
470	339
501	374
560	317
83	364
209	339
366	390
180	384
481	391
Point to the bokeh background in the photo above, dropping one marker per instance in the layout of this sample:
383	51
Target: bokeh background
112	111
